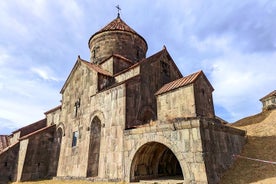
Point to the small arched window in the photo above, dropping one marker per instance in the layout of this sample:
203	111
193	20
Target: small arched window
59	135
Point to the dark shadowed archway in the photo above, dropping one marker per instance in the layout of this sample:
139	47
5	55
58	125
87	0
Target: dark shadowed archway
94	147
154	160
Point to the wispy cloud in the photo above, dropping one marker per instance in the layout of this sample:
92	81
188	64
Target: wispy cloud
45	73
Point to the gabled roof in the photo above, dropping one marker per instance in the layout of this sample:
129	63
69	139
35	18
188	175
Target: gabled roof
37	132
273	93
96	68
39	124
89	65
122	58
153	57
164	52
181	82
53	109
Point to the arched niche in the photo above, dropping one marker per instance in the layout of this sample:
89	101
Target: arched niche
147	114
94	147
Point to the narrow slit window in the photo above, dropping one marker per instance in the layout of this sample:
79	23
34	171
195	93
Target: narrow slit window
75	138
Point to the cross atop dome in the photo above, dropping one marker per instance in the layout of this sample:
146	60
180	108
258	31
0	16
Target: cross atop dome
119	9
117	38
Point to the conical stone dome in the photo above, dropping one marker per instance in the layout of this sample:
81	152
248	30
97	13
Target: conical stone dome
117	38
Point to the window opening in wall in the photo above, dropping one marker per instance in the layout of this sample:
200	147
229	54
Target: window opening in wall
77	106
165	69
6	164
137	54
59	135
75	138
203	92
94	53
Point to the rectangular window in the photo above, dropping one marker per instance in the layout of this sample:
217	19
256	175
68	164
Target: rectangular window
75	138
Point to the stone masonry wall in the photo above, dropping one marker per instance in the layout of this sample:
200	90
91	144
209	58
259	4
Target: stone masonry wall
152	79
4	142
39	159
126	44
128	74
203	98
176	104
53	117
182	137
219	142
109	107
83	84
115	65
107	65
14	137
8	164
21	157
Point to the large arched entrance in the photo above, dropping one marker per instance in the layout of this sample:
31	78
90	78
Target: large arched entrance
94	147
154	160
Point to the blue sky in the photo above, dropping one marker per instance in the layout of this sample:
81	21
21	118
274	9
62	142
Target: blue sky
233	42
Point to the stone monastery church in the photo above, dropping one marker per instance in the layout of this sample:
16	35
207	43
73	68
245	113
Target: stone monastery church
125	117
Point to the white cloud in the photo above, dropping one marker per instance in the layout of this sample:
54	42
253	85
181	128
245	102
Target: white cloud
231	41
211	43
240	80
45	73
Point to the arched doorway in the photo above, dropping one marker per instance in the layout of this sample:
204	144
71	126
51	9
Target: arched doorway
154	160
94	147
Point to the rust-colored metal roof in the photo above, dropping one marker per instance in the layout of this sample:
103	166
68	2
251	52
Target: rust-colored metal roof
179	83
273	93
